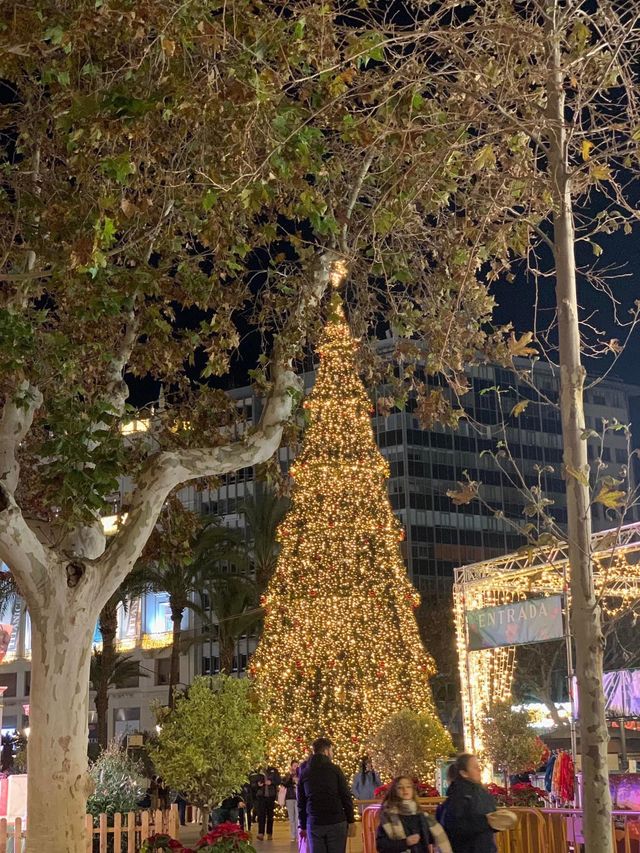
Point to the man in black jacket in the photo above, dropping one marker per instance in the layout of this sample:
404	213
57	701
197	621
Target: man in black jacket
325	806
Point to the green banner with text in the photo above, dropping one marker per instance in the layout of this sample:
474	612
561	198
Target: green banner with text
534	620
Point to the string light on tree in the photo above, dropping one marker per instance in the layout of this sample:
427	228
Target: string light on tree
340	651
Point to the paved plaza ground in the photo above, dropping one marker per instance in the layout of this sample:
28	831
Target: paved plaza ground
281	844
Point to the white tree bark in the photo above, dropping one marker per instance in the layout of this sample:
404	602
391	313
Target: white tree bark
58	783
585	613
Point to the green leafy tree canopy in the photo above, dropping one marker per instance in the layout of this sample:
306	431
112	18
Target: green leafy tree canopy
211	741
510	742
410	743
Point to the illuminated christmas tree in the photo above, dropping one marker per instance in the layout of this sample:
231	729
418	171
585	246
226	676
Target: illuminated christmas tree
340	651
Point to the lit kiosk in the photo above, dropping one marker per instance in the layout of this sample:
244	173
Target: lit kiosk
524	598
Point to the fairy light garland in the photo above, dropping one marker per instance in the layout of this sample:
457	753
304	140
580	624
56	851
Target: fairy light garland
486	676
340	650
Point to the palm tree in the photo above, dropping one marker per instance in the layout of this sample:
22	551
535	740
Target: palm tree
232	597
132	587
220	568
111	670
178	582
263	514
183	580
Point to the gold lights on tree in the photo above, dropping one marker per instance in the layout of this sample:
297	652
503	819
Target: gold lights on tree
338	273
340	651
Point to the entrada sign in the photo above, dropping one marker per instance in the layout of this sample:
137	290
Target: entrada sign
534	620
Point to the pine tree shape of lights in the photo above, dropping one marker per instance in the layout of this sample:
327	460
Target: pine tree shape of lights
340	650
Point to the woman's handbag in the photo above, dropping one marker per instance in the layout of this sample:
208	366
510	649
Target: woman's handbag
282	795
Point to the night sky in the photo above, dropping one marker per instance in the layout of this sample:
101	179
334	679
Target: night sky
516	301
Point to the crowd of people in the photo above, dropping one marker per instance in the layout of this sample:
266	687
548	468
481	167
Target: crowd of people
320	807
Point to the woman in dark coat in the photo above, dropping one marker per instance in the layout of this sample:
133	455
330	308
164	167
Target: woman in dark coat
464	815
403	826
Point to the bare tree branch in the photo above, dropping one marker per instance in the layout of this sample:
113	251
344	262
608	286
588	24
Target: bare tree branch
15	423
166	470
21	549
357	188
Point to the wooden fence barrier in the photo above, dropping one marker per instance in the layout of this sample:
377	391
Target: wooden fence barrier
127	831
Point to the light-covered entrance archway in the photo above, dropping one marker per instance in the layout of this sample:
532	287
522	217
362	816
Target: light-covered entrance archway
486	675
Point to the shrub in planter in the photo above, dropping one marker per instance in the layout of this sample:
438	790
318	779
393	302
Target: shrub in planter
409	743
115	778
211	741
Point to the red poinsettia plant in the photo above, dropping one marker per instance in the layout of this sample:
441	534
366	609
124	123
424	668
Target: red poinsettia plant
162	843
423	789
225	838
522	794
526	795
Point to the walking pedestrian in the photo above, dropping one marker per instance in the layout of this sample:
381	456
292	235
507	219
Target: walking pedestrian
465	815
268	781
290	782
403	826
325	806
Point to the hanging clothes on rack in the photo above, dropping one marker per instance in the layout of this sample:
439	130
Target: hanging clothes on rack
563	777
548	773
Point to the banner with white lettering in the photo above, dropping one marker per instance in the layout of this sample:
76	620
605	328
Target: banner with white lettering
534	620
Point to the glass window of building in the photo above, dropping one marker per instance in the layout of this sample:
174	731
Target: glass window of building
9	724
157	615
162	671
10	681
126	721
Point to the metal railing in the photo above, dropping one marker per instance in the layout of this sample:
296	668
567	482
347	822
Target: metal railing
537	831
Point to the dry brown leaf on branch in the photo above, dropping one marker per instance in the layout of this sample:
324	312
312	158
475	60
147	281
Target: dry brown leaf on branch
385	405
128	208
465	494
520	346
168	45
586	149
581	476
519	408
610	497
